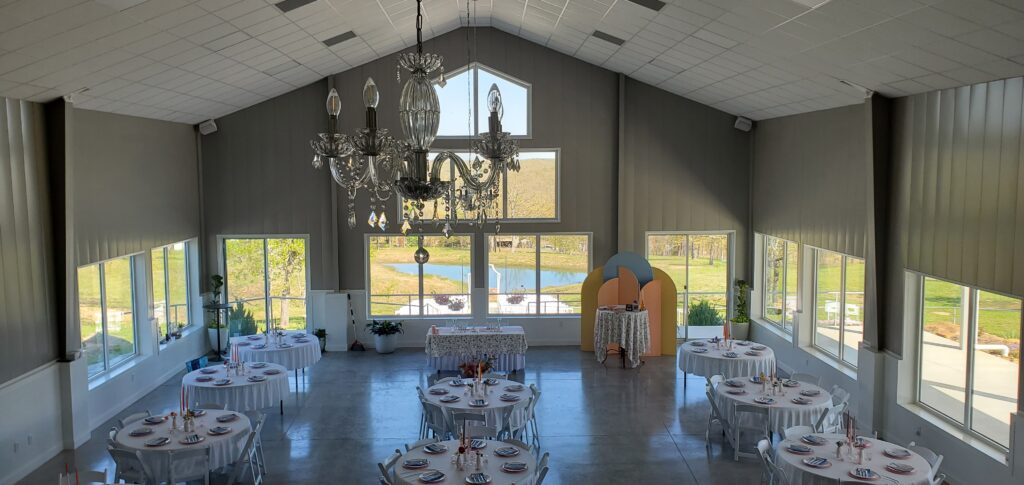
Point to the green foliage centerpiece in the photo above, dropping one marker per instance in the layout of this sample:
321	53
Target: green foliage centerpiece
384	334
702	314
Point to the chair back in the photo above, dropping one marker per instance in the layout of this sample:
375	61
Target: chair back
805	377
764	448
750	413
127	465
540	476
196	364
188	464
387	467
795	432
423	442
716	414
934	460
482	432
515	442
839	395
437	419
714	381
131	418
533	403
211	405
460	418
239	465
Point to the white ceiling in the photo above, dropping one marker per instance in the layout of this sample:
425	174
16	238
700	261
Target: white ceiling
189	60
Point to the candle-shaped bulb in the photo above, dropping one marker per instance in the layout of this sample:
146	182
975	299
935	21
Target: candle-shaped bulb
371	95
333	103
494	100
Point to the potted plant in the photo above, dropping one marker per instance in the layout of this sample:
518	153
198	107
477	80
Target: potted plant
703	320
212	327
384	334
741	320
322	335
241	320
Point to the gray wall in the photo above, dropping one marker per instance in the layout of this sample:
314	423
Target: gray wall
575	108
135	184
28	331
810	181
684	168
257	179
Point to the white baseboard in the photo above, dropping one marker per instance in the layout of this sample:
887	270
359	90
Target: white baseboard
35	461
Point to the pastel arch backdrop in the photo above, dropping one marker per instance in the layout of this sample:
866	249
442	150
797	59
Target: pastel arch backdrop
629	277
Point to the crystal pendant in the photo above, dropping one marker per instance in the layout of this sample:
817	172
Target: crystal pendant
351	220
383	221
406	227
447	231
372	221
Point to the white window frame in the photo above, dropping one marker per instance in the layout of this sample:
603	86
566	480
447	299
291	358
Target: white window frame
475	67
167	284
222	268
971	315
537	292
781	324
422	296
107	368
842	307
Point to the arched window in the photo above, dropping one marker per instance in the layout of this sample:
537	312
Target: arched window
463	102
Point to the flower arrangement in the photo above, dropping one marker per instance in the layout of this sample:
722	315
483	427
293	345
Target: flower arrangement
515	298
456	304
473	367
443	300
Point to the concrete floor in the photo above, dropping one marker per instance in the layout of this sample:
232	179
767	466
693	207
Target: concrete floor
602	425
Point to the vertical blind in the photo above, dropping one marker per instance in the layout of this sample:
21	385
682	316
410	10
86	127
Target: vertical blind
27	305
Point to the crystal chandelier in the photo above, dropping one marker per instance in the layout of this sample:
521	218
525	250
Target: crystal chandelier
373	160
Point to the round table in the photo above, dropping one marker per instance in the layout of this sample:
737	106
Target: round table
713	361
801	474
224	449
241	394
300	351
631	330
494	412
443	463
783	413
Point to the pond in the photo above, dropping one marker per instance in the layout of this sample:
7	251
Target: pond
511	278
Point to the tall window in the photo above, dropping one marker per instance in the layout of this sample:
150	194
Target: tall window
536	274
781	282
400	286
838	304
106	304
463	101
970	357
265	280
171	286
699	266
530	194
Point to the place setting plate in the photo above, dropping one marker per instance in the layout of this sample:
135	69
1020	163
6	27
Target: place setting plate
431	476
490	381
256	378
764	400
791	383
207	370
514	387
157	442
203	379
477	444
742	343
759	347
243	344
301	340
456	383
258	365
736	392
734	383
219	430
450	399
438	391
478	403
730	355
697	343
478	479
864	474
752	353
227	418
272	372
514	467
254	337
756	379
435	448
800	400
799	449
415	463
192	439
140	432
509	397
817	462
155	419
898	453
284	346
901	468
813	440
861	442
507	451
259	347
198	412
699	350
810	392
222	382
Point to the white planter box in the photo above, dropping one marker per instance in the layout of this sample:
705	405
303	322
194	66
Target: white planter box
704	332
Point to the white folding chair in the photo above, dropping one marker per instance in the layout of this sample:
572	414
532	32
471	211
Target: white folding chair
131	418
437	420
388	466
795	432
532	412
92	476
839	395
127	465
771	470
211	405
749	417
236	470
715	415
831	419
714	382
188	464
112	436
934	460
481	431
540	476
515	442
444	380
515	419
423	413
257	449
423	442
384	481
543	463
805	377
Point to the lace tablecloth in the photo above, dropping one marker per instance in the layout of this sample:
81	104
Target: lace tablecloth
631	330
241	394
451	347
495	412
224	449
298	354
783	413
801	474
443	463
713	360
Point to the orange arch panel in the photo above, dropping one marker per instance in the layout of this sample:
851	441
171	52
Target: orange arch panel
629	287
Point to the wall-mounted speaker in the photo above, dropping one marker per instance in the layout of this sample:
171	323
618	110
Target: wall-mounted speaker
207	127
743	124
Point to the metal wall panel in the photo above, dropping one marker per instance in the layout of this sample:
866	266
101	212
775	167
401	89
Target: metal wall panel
27	299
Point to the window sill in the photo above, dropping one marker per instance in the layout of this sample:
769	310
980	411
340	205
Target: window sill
825	357
189	330
100	379
773	328
994	452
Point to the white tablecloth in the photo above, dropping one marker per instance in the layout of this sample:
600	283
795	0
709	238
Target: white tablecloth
443	463
495	410
298	356
631	330
801	474
451	347
224	449
241	394
713	362
784	413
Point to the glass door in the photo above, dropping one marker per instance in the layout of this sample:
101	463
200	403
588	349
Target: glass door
700	265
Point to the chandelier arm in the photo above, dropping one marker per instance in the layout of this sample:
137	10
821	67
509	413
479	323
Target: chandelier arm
468	180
